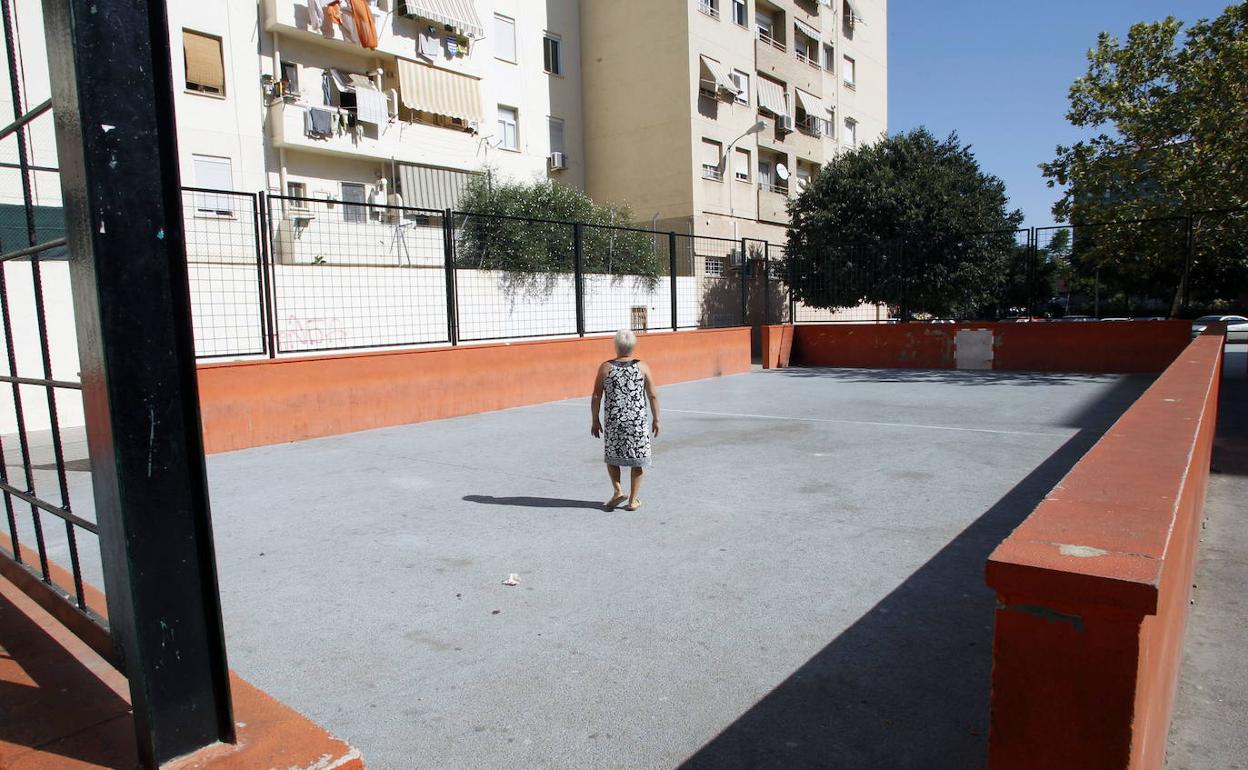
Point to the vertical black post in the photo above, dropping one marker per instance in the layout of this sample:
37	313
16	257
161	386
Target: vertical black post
578	268
264	259
788	257
118	153
1033	275
766	285
745	263
452	290
1190	238
671	257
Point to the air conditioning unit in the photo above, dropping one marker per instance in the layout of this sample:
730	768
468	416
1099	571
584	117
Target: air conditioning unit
392	103
558	161
784	124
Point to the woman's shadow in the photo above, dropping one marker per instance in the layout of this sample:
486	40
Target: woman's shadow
536	502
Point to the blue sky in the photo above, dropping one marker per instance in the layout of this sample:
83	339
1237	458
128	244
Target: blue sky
998	72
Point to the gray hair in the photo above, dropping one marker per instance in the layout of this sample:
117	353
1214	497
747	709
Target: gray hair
625	341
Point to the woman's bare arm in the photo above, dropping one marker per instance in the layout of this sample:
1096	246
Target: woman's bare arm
595	404
653	395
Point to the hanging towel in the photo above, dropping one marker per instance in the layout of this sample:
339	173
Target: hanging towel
371	106
316	15
430	43
346	20
365	28
318	122
332	18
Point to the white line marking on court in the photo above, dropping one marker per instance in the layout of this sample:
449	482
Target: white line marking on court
867	422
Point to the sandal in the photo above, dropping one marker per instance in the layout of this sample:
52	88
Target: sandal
633	506
614	501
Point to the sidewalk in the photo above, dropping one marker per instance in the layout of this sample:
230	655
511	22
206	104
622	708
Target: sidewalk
1209	730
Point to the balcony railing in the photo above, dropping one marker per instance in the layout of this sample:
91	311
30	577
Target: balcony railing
771	187
707	7
811	125
766	37
810	59
712	173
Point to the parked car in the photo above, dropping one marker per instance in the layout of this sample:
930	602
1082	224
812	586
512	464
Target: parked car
1236	326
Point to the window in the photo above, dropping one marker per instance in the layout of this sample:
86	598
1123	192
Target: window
296	189
847	71
739	12
508	128
742	81
829	125
711	158
556	134
638	317
765	23
205	67
213	173
741	165
290	76
714	267
709	7
849	134
829	63
764	172
552	54
352	202
504	38
847	20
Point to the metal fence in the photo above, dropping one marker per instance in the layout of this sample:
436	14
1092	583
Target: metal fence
1164	267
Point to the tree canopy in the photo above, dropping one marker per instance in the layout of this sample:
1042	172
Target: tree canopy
1166	112
910	221
526	229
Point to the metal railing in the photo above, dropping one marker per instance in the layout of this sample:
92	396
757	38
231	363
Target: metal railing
771	41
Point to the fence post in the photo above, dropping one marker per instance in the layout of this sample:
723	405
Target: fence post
671	256
448	267
1033	248
579	277
264	263
766	284
788	257
1190	237
745	263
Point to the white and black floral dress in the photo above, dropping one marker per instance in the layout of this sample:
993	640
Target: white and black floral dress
625	427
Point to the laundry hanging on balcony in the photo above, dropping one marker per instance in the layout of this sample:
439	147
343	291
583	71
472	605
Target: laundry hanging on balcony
365	27
370	103
440	92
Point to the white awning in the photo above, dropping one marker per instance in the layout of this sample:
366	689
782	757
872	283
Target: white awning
717	75
342	81
439	91
459	14
811	104
806	29
771	97
854	12
427	187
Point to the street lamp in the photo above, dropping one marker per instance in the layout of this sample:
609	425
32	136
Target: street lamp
732	211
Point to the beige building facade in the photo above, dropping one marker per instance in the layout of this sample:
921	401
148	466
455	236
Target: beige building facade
674	93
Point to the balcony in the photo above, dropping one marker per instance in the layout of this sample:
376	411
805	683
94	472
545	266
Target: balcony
773	203
405	142
774	60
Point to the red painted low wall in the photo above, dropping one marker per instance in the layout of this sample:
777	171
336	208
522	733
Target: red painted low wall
1106	346
253	403
777	346
1093	587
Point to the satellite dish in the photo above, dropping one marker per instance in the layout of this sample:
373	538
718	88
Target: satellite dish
782	171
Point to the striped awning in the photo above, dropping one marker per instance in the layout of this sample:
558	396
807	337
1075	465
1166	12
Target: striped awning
718	77
439	91
806	29
459	14
854	14
771	97
811	104
428	187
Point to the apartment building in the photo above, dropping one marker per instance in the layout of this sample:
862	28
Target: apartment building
675	92
309	98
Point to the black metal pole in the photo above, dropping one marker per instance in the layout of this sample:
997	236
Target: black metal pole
766	285
264	261
578	274
448	252
671	258
792	299
745	263
117	144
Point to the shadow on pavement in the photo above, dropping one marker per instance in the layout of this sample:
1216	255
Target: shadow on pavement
1230	444
906	686
536	502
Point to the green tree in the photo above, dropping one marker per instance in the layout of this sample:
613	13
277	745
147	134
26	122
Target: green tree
910	221
1167	117
526	230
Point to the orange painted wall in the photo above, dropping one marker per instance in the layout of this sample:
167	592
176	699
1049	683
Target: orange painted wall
1107	346
1093	587
253	403
777	345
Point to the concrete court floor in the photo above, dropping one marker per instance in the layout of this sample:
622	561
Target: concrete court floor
802	588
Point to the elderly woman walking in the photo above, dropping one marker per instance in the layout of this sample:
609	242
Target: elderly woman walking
627	385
